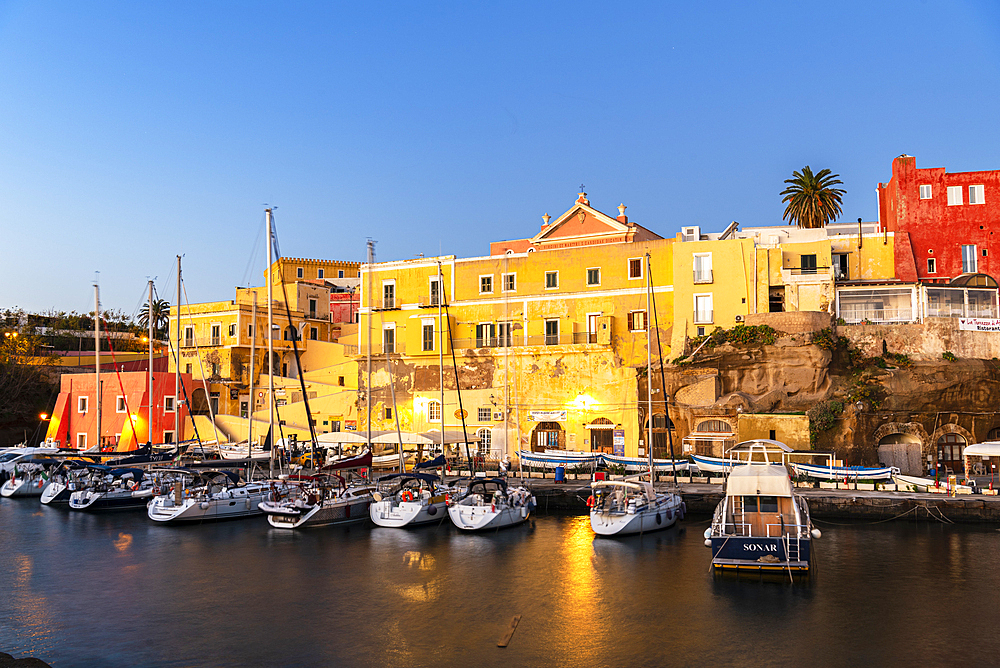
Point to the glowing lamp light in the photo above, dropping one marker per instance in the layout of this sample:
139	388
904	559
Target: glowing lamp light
44	416
583	402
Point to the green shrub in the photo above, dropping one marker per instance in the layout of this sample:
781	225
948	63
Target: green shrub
949	356
823	416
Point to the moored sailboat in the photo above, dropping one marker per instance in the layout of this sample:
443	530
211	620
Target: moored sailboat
489	504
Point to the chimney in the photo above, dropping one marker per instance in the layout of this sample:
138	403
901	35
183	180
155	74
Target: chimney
622	218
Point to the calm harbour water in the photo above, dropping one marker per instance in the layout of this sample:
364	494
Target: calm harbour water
117	590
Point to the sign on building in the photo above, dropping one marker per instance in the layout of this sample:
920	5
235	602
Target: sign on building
979	324
546	416
619	441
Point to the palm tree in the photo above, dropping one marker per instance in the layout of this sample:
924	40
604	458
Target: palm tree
161	317
812	200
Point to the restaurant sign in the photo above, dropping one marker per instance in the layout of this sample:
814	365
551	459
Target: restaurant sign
979	324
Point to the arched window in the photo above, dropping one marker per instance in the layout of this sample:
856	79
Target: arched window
994	434
434	411
602	431
717	426
485	440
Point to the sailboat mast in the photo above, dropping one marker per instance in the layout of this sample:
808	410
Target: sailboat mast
97	357
441	356
253	363
270	342
649	371
371	314
177	360
149	434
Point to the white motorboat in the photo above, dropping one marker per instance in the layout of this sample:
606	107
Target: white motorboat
107	488
489	504
318	501
761	524
202	496
408	499
630	506
28	478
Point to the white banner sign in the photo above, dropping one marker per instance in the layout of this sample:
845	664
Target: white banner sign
547	416
979	325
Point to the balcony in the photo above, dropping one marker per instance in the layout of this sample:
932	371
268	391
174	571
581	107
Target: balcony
386	304
703	317
703	276
386	348
429	301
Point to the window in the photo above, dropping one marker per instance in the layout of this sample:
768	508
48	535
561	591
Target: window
968	259
703	308
213	401
320	274
216	334
931	266
299	272
388	413
977	195
189	335
314	333
168	405
249	331
485	440
435	292
509	282
389	340
484	414
120	405
551	280
340	381
388	294
551	332
434	411
312	307
954	195
635	267
808	264
485	284
925	192
81	441
840	268
427	337
703	268
168	436
215	368
637	321
503	334
187	369
484	335
594	276
340	273
82	404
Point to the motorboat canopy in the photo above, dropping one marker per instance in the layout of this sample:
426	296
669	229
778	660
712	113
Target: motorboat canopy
984	449
426	477
767	444
437	462
759	480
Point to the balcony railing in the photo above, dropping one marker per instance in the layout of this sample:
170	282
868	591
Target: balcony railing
703	276
855	315
377	349
703	317
958	311
806	271
385	304
428	301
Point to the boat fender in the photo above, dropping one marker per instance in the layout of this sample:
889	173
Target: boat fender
708	543
248	503
816	533
684	509
708	532
447	499
493	507
659	520
591	501
432	509
203	505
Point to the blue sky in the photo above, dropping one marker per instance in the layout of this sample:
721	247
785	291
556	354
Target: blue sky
132	132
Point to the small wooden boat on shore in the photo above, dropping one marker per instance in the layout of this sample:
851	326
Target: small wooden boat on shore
909	483
552	459
642	464
850	473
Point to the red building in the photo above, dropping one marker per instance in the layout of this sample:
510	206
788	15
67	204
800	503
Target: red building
125	422
943	223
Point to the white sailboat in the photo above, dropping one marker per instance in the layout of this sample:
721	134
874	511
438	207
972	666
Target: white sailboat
632	505
206	495
408	499
490	504
321	500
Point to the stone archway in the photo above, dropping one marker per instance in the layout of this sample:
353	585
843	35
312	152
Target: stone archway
904	445
199	402
949	435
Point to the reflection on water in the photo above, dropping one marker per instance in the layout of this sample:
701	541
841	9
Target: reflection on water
118	590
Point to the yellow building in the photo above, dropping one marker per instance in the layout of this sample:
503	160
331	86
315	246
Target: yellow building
548	335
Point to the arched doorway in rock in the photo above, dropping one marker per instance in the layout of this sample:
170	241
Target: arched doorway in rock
949	452
901	451
602	432
199	402
547	435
